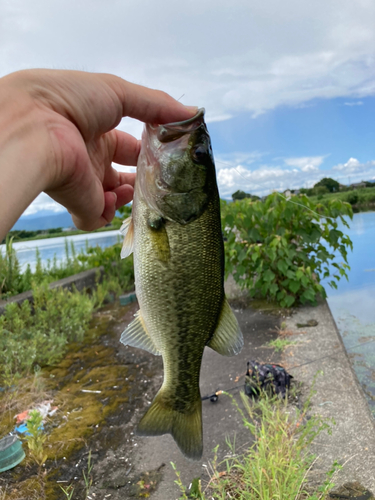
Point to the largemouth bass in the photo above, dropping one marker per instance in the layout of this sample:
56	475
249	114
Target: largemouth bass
175	232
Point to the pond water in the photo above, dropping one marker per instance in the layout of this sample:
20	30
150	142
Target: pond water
26	250
353	303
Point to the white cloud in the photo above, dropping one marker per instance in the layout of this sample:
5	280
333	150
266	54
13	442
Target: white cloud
305	163
263	179
229	57
309	168
43	202
351	165
353	103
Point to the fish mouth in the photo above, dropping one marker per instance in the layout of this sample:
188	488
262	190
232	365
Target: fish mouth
172	131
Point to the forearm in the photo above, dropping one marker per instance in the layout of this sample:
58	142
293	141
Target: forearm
22	173
20	184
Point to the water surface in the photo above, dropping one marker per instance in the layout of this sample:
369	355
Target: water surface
49	247
353	303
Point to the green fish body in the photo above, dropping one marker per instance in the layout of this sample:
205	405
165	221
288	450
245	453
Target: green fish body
175	233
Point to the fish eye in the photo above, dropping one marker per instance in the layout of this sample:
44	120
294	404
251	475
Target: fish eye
199	153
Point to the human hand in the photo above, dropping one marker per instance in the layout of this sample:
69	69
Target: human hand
64	122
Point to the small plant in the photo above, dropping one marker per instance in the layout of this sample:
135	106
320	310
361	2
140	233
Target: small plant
281	249
68	491
279	344
10	273
87	477
35	437
179	483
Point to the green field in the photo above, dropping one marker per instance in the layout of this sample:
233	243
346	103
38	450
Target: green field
361	199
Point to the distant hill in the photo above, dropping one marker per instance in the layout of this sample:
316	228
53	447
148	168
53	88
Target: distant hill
44	220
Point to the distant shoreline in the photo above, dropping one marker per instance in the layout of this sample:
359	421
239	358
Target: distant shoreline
63	234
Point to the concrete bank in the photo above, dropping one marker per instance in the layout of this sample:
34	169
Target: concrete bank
338	396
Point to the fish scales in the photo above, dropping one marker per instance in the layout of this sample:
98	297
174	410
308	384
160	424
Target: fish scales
175	233
183	298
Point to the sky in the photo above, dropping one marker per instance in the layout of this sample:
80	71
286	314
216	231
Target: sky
288	87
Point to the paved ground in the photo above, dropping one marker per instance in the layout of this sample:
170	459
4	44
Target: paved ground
338	396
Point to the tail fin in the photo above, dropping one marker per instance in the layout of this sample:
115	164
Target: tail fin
185	428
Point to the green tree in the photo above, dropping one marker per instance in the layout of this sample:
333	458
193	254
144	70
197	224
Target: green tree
331	185
240	195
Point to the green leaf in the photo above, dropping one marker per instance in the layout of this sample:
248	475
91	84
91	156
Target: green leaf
289	300
294	286
269	275
282	266
309	295
291	274
254	256
273	289
229	219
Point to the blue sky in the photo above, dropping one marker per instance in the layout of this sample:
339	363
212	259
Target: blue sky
288	87
324	133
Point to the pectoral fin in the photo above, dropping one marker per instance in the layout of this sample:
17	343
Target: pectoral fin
227	339
136	335
127	230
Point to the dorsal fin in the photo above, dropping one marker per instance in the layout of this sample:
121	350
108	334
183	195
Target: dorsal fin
227	339
136	335
127	230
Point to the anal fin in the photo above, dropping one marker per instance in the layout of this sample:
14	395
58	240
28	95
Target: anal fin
136	335
227	339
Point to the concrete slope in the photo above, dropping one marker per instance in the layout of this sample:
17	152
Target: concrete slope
338	396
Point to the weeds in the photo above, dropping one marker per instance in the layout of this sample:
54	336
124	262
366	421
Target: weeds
68	491
276	466
87	477
279	344
39	334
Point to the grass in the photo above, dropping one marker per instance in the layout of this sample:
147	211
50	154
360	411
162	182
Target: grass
276	466
361	198
279	344
87	478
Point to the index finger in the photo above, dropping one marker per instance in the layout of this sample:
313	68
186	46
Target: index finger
148	105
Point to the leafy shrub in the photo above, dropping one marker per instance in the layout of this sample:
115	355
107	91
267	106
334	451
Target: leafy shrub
39	334
281	249
352	198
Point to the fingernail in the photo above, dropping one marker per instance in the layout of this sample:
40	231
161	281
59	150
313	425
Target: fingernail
193	109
